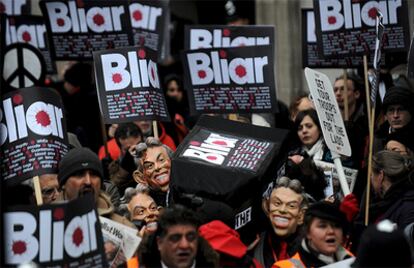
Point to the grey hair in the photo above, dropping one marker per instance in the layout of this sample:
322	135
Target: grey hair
142	147
128	195
394	165
294	185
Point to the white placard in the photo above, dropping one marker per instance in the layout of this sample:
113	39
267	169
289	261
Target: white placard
330	118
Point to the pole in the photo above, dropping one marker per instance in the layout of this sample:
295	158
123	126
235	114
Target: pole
38	190
367	93
155	129
371	144
341	174
346	106
104	136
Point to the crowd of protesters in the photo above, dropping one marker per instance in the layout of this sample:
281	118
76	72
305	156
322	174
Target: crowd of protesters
129	177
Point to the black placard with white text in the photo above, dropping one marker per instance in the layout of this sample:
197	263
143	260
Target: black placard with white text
150	25
33	133
347	28
77	28
218	36
58	235
29	29
129	86
229	162
230	80
15	7
311	54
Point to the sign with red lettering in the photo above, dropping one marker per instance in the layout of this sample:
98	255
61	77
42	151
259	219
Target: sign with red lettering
219	36
32	30
76	28
33	133
346	27
58	235
15	7
150	25
129	86
229	162
230	80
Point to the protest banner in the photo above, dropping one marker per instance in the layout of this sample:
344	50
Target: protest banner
230	163
15	7
58	235
24	66
311	55
223	36
350	174
77	28
120	242
128	85
150	22
330	119
33	134
410	68
345	27
230	80
32	30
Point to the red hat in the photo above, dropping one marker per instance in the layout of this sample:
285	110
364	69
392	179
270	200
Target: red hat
223	239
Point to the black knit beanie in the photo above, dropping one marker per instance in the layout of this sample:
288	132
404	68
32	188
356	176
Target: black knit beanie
398	95
76	160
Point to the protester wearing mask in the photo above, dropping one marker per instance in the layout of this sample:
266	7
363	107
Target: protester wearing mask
285	208
154	166
49	186
324	230
140	208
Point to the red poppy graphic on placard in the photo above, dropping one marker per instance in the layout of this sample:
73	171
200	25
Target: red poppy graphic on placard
226	32
240	71
137	15
77	236
141	53
372	13
331	19
223	53
19	247
17	99
58	214
117	78
26	36
60	22
202	74
98	19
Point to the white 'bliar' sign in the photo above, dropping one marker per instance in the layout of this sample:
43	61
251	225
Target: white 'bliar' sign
328	112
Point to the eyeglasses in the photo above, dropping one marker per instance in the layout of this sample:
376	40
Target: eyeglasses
50	191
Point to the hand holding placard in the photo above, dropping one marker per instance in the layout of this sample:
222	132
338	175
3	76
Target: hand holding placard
332	124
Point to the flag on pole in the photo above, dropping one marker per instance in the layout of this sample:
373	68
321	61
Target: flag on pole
377	57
